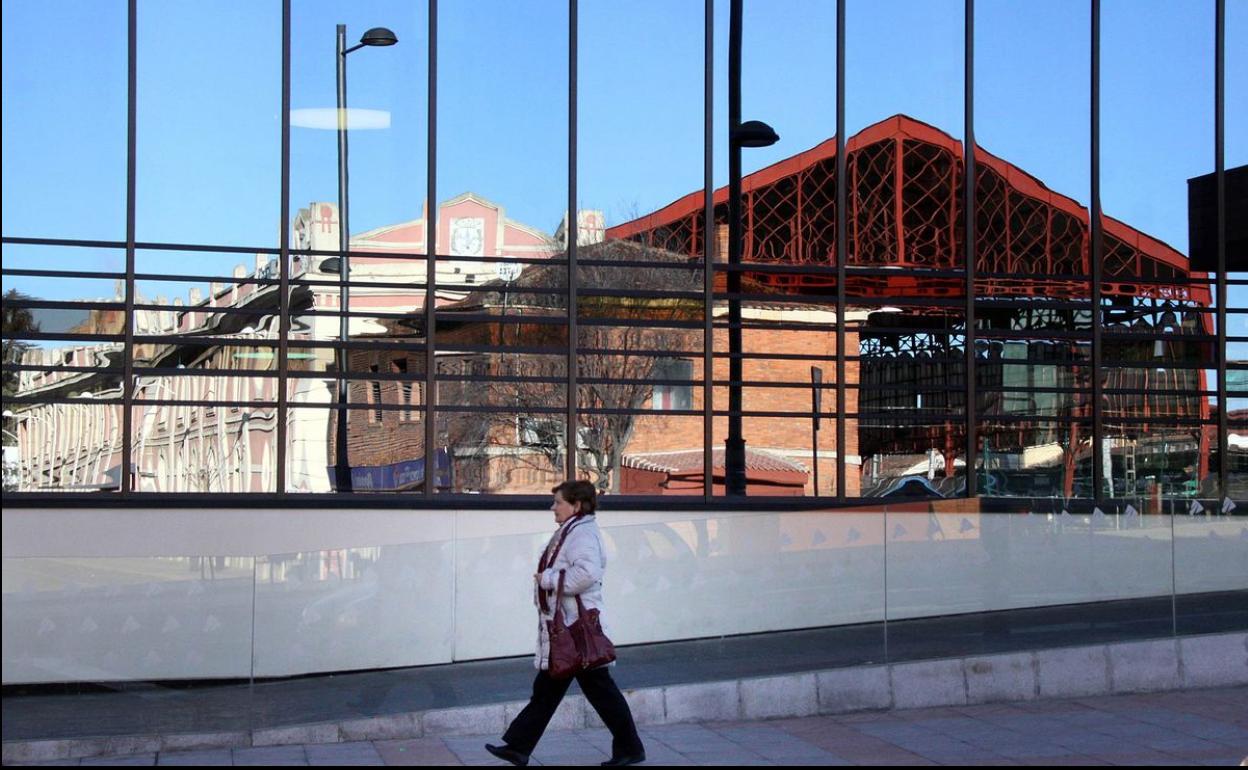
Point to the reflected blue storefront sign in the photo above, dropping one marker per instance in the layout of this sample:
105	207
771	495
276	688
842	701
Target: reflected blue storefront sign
408	474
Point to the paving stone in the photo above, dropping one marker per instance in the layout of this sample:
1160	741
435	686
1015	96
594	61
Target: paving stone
271	755
355	753
420	751
214	757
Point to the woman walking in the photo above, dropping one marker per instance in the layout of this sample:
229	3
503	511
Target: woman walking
575	550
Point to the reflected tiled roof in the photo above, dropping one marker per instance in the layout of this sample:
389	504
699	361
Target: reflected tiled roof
690	461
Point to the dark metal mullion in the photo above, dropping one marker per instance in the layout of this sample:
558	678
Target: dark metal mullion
842	245
571	232
708	252
1219	142
432	212
127	387
1094	253
284	258
968	235
20	241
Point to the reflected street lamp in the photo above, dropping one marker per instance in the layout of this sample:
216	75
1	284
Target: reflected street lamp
752	133
377	36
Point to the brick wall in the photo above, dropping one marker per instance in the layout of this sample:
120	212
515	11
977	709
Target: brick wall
786	436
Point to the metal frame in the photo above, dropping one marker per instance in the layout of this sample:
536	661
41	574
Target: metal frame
1096	255
969	211
431	257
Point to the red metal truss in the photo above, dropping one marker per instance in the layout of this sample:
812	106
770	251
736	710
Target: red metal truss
904	200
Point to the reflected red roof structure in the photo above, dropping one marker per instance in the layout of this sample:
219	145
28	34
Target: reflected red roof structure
905	211
906	239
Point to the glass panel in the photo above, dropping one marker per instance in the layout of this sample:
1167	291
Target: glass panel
88	291
1035	458
207	121
64	447
1145	197
20	256
112	628
64	125
1086	578
485	379
1033	316
518	452
1156	461
381	455
910	456
387	124
202	448
355	608
910	394
503	188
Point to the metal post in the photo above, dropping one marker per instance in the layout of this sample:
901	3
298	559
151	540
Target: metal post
572	233
1094	253
342	468
127	386
708	256
1219	141
968	210
431	274
734	445
842	257
283	341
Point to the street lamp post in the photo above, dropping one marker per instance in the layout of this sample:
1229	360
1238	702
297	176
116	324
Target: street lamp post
753	133
377	36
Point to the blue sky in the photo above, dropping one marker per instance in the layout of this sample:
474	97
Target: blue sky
209	128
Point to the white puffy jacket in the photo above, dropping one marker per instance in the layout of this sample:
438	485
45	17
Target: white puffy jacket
585	559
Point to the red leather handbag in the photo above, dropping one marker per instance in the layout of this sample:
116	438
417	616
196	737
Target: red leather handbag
580	646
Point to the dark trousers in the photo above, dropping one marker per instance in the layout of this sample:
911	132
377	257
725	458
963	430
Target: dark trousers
601	692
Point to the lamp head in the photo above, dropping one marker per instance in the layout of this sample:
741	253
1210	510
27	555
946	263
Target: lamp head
379	36
755	133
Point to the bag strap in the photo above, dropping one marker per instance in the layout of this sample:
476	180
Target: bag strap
543	563
580	605
558	617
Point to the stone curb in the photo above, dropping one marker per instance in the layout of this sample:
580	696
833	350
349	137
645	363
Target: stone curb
1214	660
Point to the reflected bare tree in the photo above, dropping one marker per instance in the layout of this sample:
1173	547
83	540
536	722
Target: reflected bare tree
624	317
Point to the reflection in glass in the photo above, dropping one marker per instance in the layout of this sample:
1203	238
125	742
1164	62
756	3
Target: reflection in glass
205	447
214	113
385	442
1157	331
512	452
1035	458
64	121
64	447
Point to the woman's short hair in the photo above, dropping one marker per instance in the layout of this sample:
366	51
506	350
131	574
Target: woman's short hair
579	492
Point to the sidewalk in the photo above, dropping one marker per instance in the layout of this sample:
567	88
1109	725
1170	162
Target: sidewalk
1200	727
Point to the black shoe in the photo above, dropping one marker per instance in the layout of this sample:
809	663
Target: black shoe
627	759
508	753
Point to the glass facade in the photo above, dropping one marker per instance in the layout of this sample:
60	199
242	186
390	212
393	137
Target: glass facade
502	255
